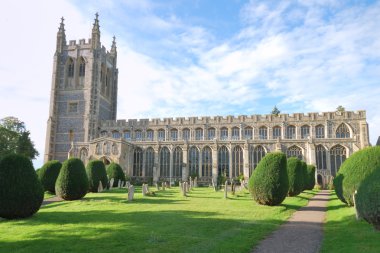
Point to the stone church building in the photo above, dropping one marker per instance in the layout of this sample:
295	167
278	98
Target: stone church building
82	123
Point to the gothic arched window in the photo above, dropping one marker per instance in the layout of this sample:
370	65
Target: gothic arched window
206	162
199	134
320	155
294	151
320	131
186	134
174	134
342	131
82	67
255	156
149	162
263	133
224	133
70	68
149	135
211	133
337	157
193	161
223	161
248	133
235	133
177	162
305	131
161	134
237	161
137	162
164	162
276	132
291	132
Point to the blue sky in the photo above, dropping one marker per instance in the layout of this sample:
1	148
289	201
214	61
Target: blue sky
188	58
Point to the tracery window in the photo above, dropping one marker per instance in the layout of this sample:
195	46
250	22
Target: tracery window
263	133
199	134
164	162
138	135
276	132
211	133
342	131
305	132
186	134
248	133
193	161
103	133
291	132
223	161
223	133
255	156
337	157
115	135
82	67
149	162
149	135
177	162
161	134
206	162
320	131
137	162
235	133
70	68
237	161
174	134
294	151
320	155
127	135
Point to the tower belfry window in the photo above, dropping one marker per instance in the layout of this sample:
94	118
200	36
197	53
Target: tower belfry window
82	68
70	68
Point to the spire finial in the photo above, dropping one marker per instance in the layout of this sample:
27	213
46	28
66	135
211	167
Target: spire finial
62	19
114	39
96	15
61	27
113	47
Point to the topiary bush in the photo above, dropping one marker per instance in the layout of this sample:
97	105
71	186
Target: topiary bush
269	182
21	193
295	176
337	182
310	182
72	181
304	175
356	168
48	175
368	199
96	171
116	172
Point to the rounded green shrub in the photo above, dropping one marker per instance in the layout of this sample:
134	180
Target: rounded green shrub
21	193
116	172
356	168
338	180
310	182
96	172
48	175
368	199
269	182
295	176
72	181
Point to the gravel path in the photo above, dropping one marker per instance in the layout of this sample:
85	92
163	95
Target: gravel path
51	200
303	232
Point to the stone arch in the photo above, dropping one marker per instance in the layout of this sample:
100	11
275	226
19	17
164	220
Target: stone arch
137	162
193	161
320	179
164	154
149	162
83	154
206	161
343	130
294	151
237	161
223	161
177	162
338	155
106	160
256	153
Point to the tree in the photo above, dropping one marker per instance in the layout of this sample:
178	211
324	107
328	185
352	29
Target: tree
14	138
275	111
340	109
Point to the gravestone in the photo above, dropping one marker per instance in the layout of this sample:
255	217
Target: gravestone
213	184
225	189
163	185
131	192
127	184
119	184
157	187
144	189
184	188
196	182
100	186
188	187
111	182
180	186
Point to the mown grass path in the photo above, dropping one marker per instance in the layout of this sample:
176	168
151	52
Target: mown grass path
168	222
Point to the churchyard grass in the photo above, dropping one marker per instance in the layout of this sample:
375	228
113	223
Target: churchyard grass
343	233
48	195
168	222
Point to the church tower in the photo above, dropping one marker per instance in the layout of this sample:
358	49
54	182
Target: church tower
83	91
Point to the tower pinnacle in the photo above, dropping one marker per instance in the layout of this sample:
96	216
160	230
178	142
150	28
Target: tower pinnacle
113	47
96	33
61	36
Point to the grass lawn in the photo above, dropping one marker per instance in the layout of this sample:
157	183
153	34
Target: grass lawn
168	222
48	195
343	233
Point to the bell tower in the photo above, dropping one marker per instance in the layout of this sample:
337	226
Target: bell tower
83	91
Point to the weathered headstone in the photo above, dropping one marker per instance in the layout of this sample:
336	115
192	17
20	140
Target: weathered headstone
163	185
131	192
184	188
180	186
119	184
213	184
144	189
225	189
111	182
157	187
188	187
127	184
196	182
100	186
233	185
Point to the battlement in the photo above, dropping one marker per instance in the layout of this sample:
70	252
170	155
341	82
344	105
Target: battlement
312	116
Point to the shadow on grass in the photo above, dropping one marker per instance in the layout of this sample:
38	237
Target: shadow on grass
138	231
